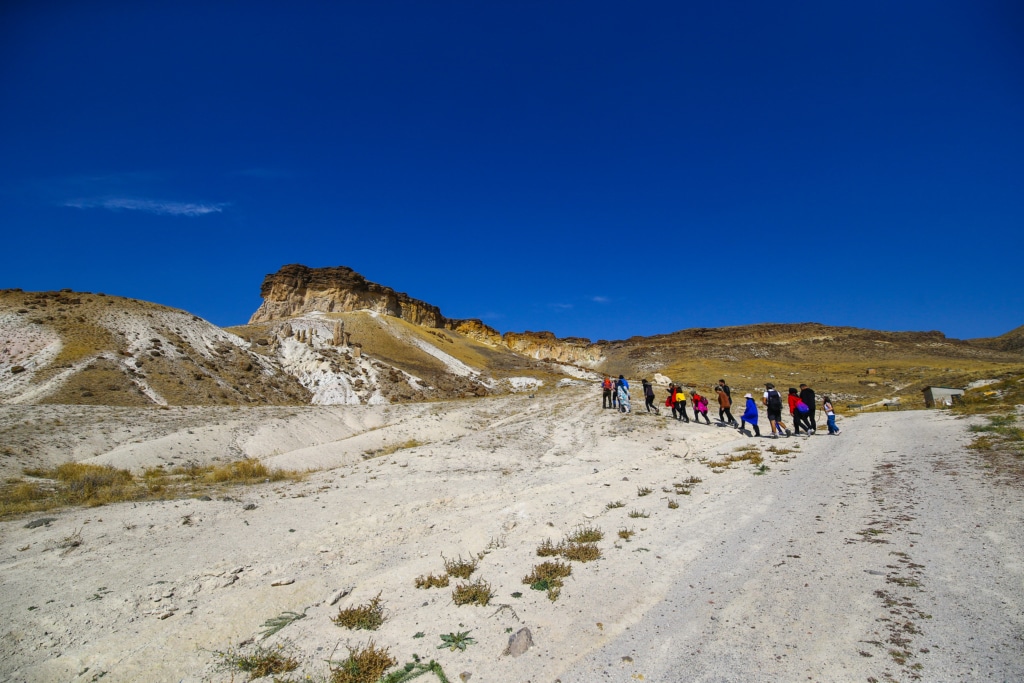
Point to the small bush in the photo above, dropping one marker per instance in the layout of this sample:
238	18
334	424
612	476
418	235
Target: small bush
368	617
431	581
584	533
672	505
581	552
547	576
615	504
644	491
365	665
549	549
460	568
477	593
626	534
639	514
259	663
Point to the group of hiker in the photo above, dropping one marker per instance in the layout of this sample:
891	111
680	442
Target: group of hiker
802	406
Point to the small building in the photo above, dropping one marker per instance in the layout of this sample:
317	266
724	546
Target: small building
941	396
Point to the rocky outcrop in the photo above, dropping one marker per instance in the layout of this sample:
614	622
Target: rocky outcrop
476	329
298	289
546	346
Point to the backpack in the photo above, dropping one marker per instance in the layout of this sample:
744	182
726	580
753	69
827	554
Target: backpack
774	400
607	383
801	407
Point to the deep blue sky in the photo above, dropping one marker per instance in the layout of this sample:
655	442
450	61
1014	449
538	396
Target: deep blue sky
598	169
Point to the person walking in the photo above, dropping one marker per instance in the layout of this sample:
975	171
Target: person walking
615	394
750	415
606	392
623	392
773	406
826	405
649	397
724	404
700	407
678	398
798	411
807	396
727	390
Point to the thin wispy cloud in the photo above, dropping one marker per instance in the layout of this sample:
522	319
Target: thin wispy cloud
155	206
600	299
561	307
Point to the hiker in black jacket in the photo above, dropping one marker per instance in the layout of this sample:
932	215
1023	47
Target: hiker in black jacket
807	396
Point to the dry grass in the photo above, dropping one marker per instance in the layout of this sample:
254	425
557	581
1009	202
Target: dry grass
431	581
626	534
368	617
477	593
259	663
548	576
549	549
581	552
460	568
88	485
584	533
392	448
363	665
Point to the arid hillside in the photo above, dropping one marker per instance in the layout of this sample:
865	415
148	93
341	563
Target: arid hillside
328	336
854	364
81	348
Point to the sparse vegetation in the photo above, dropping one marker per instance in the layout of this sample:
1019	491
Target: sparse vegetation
581	552
548	576
615	504
549	549
260	662
367	617
431	581
460	568
584	533
477	593
88	485
392	448
363	665
672	505
626	534
456	641
272	626
639	514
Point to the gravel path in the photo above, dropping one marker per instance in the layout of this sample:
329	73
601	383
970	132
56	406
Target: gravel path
887	553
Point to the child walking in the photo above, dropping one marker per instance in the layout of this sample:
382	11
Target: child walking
826	404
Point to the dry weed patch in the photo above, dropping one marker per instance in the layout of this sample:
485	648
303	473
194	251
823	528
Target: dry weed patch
460	568
626	534
260	662
431	581
91	485
368	617
581	552
477	593
547	576
549	549
364	665
585	533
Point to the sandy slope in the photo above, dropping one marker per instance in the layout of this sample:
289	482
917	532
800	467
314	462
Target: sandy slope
889	537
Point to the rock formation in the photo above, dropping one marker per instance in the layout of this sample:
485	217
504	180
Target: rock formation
298	289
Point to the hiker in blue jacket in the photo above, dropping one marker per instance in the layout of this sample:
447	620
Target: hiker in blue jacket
750	415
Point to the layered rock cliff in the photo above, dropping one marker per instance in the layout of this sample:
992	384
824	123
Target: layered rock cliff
298	289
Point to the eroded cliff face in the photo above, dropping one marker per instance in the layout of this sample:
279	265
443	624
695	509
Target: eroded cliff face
545	346
298	289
